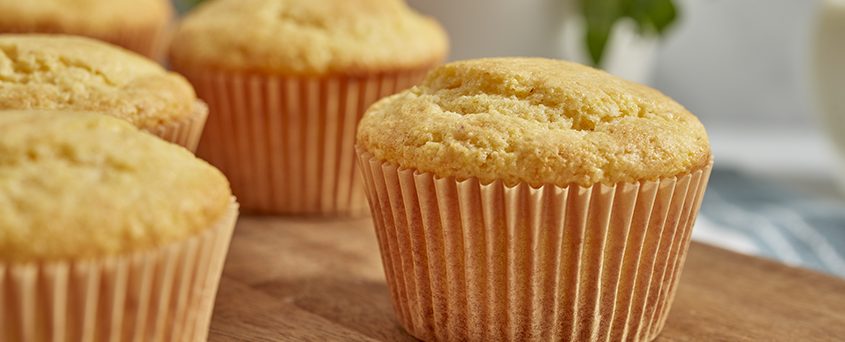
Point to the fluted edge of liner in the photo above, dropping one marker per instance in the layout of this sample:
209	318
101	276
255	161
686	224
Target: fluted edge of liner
187	131
286	143
164	294
466	261
148	41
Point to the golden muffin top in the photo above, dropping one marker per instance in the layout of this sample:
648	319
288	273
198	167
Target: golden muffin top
80	185
534	120
73	73
84	15
307	37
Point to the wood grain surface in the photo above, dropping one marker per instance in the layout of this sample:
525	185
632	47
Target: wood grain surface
322	280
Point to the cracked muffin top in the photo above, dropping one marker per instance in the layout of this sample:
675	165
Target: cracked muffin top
307	37
79	185
55	72
534	120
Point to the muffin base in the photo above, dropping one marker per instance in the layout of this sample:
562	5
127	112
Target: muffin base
148	41
287	143
166	294
186	132
492	262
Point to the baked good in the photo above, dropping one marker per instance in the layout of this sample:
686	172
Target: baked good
537	121
138	25
54	72
286	82
308	37
87	201
538	200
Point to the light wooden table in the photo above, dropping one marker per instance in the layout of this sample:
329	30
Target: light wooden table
322	280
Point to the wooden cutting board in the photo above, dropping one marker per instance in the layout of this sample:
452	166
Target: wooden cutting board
321	280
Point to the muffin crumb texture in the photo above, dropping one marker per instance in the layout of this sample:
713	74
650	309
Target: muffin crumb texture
53	72
534	120
85	185
90	16
307	37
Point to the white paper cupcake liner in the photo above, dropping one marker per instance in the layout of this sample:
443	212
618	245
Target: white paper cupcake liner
287	143
186	132
165	294
151	42
147	41
491	262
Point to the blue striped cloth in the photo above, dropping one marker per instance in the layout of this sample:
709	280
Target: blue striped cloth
764	219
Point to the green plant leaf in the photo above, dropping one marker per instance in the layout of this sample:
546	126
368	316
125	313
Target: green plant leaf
663	14
597	37
600	16
190	3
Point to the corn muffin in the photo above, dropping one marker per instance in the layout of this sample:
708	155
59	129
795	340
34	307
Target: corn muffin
87	201
54	72
536	121
541	200
138	25
287	81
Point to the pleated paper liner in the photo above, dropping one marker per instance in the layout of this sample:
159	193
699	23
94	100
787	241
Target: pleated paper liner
186	132
491	262
287	143
149	41
166	294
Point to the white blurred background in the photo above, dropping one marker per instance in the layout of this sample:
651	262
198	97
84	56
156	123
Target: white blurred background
744	67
